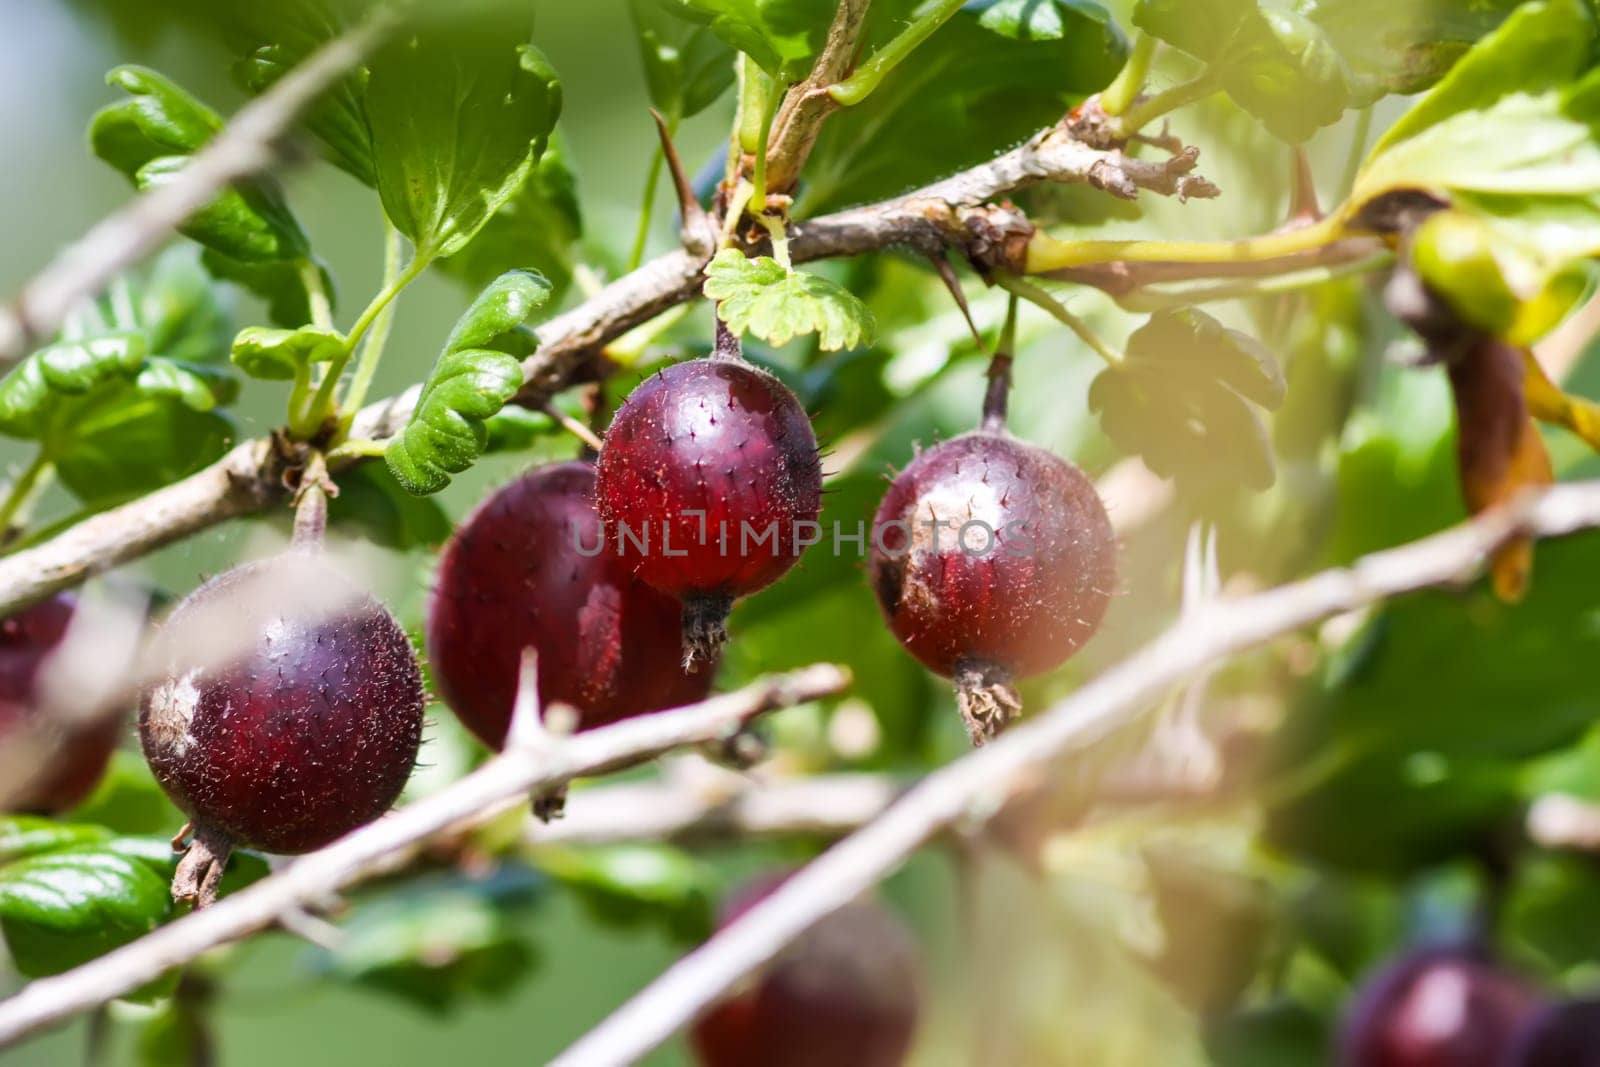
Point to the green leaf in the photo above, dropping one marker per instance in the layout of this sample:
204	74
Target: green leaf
686	67
469	383
372	501
159	119
1495	278
1182	400
536	229
1510	138
61	908
459	113
176	307
128	800
782	36
1031	20
278	355
272	39
1540	48
114	416
985	81
1417	44
22	836
127	445
150	138
757	296
1274	62
630	885
441	941
280	284
514	429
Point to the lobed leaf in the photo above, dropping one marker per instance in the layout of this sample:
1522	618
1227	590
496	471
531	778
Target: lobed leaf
687	67
759	297
279	355
536	228
459	112
150	137
993	75
1182	400
1275	62
127	400
272	39
469	383
782	36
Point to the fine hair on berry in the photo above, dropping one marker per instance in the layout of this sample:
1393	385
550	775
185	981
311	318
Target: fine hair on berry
289	712
710	485
992	560
530	569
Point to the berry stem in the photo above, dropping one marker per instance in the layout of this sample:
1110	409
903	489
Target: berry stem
200	871
1129	82
998	395
727	344
1143	112
380	320
987	700
870	73
1041	299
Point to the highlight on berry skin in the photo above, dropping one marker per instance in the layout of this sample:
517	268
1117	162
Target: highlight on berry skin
800	533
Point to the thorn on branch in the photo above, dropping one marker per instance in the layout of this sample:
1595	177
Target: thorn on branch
996	239
947	274
534	729
696	230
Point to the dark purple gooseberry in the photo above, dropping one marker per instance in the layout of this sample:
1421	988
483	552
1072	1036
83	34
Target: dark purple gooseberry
289	714
846	993
530	568
708	484
992	560
1438	1007
1564	1034
76	763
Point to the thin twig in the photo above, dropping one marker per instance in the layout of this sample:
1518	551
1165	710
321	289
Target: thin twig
356	856
826	806
249	478
976	785
247	145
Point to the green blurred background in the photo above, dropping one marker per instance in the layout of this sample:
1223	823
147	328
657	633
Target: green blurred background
1420	731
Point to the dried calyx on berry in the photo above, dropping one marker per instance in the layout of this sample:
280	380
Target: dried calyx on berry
992	560
530	569
709	475
289	710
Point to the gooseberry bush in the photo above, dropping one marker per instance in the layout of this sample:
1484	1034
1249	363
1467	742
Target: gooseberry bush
953	553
